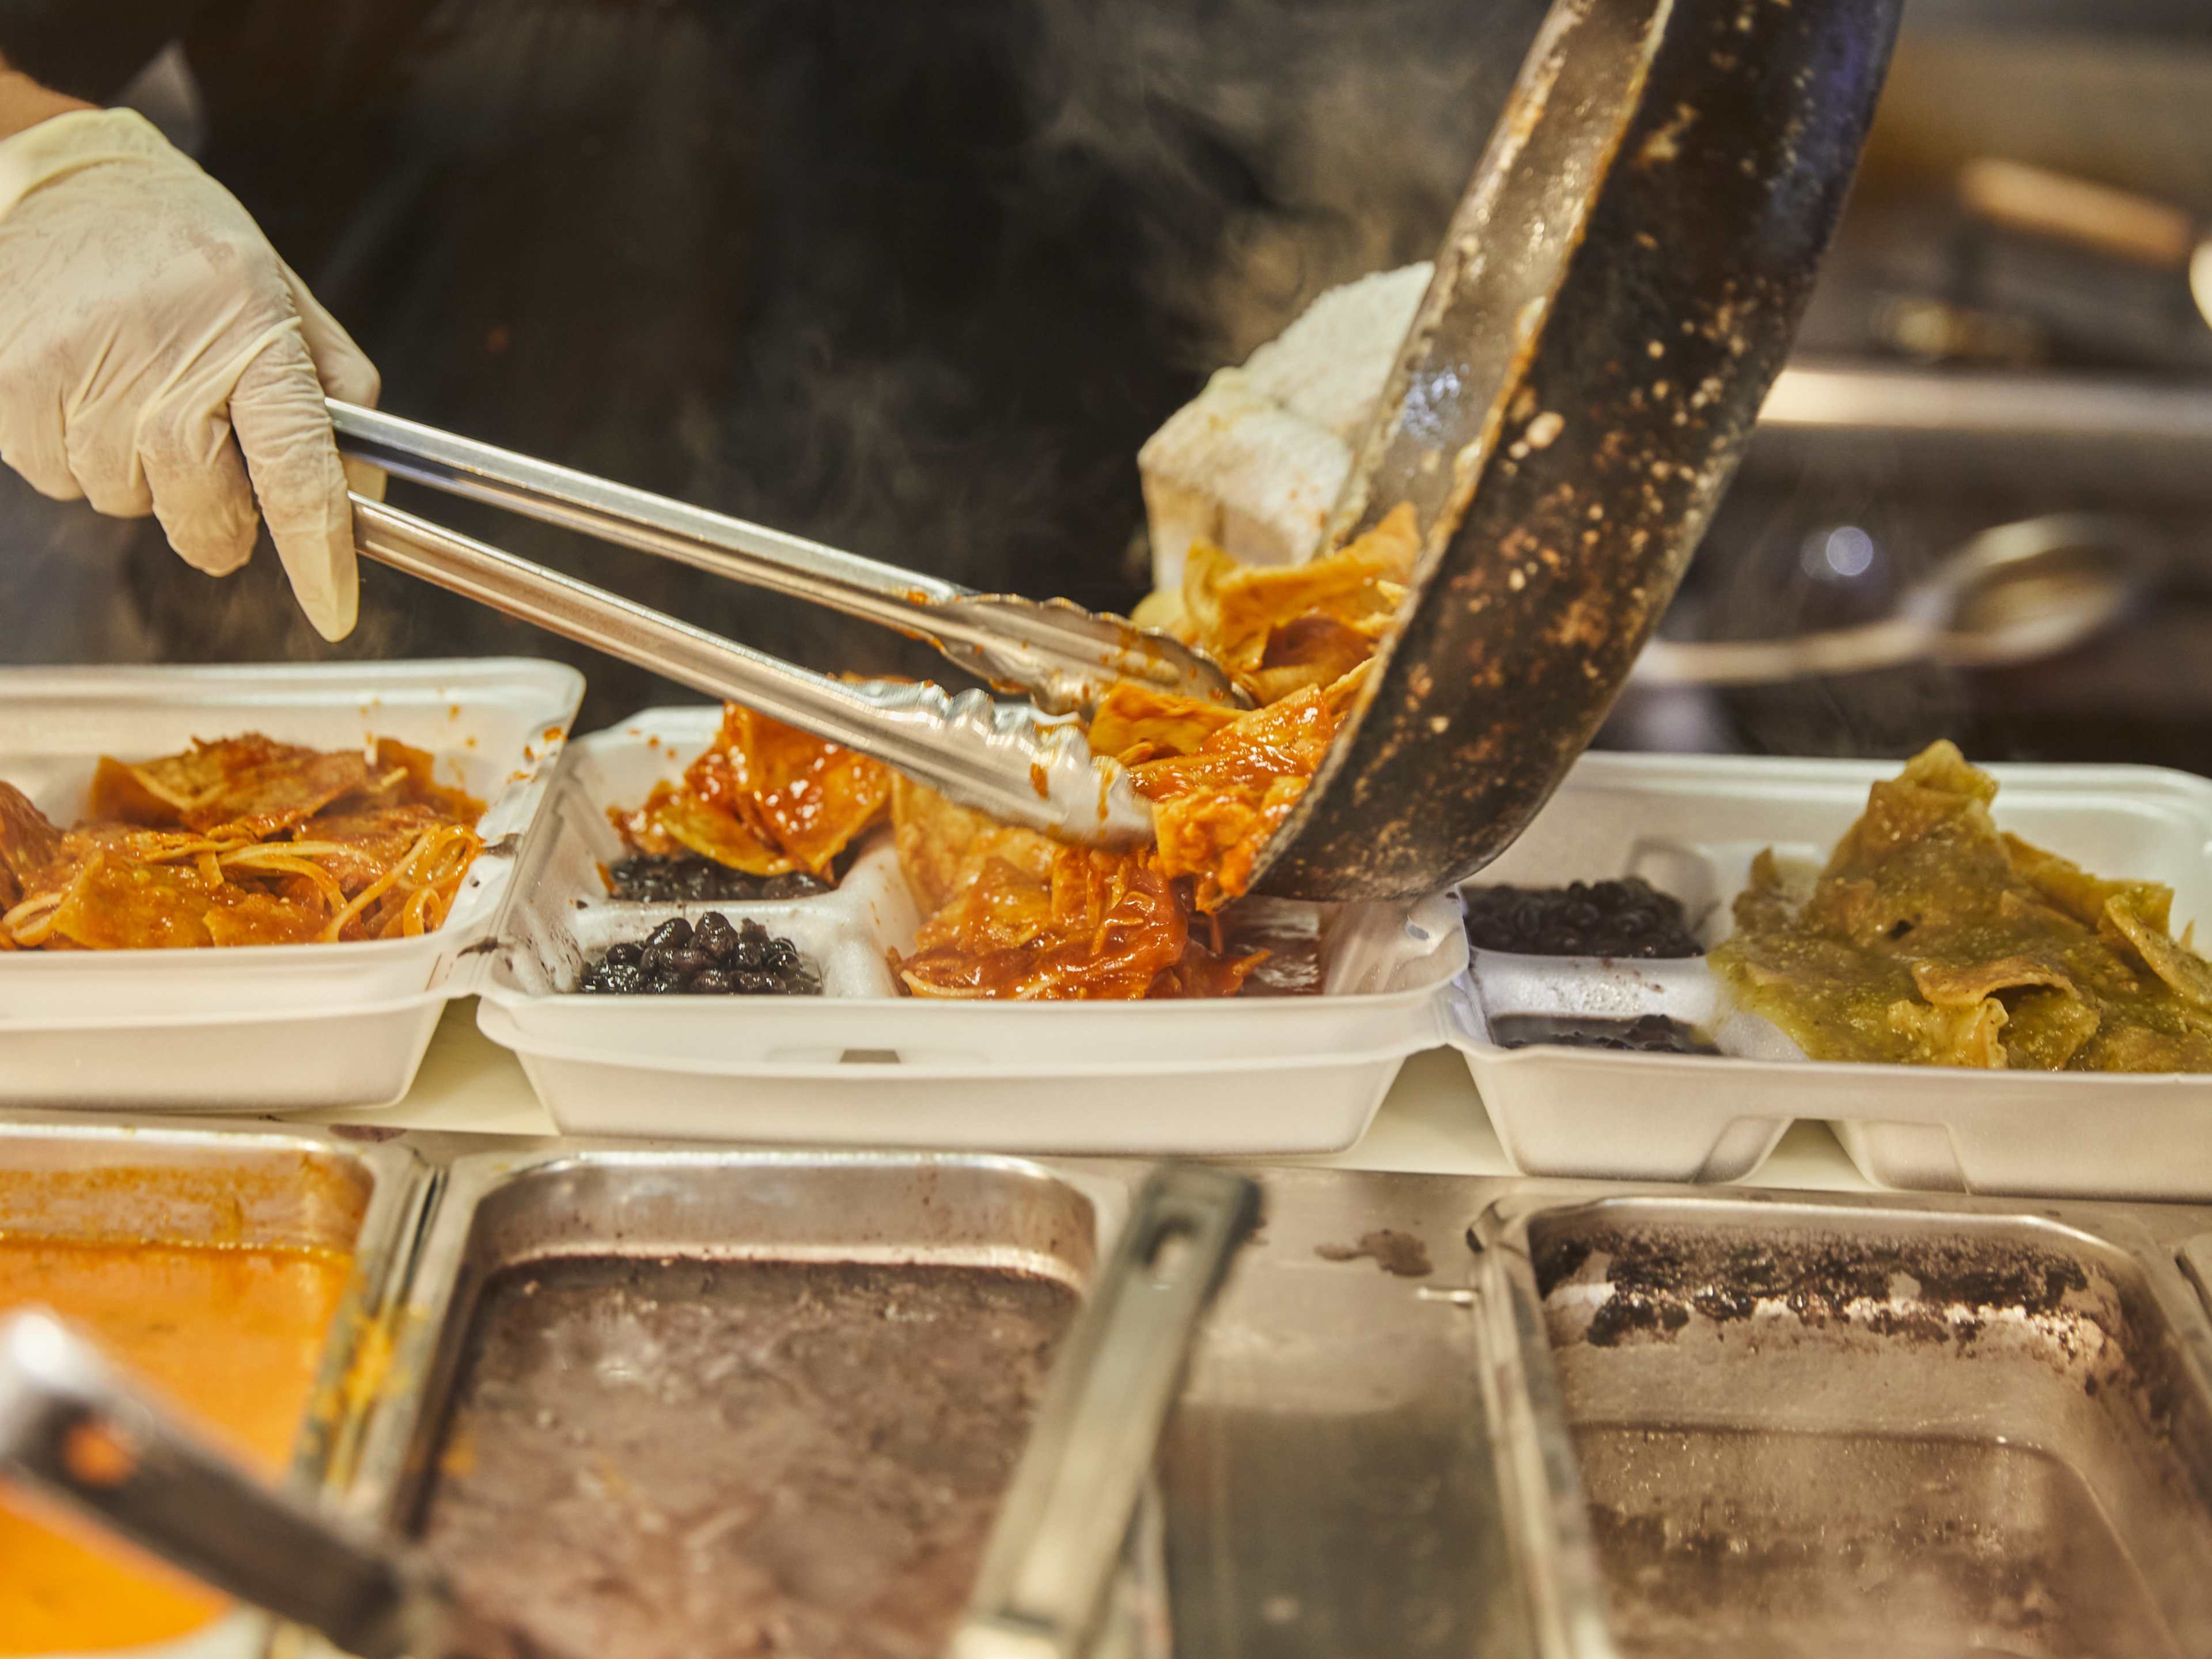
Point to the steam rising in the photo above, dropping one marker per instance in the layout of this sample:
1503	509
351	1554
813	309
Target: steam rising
915	280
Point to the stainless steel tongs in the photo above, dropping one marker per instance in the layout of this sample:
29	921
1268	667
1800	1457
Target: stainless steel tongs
1006	758
98	1442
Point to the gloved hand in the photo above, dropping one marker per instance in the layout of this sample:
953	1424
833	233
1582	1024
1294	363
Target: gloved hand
155	353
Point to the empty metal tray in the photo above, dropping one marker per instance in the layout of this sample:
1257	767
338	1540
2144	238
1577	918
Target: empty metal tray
1837	1428
648	1393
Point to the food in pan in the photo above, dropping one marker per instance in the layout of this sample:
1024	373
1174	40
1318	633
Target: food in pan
1016	915
687	878
713	958
1624	918
668	1458
1012	915
1933	938
243	841
233	1335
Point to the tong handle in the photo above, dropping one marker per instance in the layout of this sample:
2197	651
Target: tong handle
637	519
996	758
621	628
1058	1540
71	1427
1064	656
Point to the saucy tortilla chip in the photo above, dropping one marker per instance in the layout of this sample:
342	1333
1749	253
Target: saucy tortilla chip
1931	937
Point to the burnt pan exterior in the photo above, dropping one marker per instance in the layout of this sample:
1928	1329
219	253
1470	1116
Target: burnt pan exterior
1615	294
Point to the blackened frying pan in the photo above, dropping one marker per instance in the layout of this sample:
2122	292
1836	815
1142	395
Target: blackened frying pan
1616	292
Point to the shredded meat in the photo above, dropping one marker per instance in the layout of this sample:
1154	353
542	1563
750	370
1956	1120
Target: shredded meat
1217	807
244	840
944	849
1281	628
1102	924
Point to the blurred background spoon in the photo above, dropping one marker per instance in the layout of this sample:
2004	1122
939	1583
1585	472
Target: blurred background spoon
2012	594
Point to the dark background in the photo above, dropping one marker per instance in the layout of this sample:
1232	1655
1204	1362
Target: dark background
918	279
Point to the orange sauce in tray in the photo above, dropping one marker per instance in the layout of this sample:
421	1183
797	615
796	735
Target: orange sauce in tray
233	1337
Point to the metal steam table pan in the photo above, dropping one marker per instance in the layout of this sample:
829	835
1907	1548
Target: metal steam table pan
1797	1425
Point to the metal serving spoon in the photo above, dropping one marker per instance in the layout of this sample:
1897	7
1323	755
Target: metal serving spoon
2012	594
74	1428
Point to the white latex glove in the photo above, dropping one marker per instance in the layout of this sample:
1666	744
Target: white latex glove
155	353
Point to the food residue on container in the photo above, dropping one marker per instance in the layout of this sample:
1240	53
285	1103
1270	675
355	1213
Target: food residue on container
1399	1254
1647	1034
234	1336
664	1459
1932	938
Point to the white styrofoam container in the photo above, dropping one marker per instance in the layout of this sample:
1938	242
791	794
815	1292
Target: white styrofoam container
265	1028
861	1064
1691	826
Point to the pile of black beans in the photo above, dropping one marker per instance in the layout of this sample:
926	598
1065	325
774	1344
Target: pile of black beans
1653	1034
659	879
714	958
1627	918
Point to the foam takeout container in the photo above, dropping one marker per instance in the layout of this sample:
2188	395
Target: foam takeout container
862	1065
266	1027
1691	825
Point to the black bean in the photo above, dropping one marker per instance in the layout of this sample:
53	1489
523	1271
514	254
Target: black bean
664	964
674	931
715	936
1626	917
645	876
620	978
685	962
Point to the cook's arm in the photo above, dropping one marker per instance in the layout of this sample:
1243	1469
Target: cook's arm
25	103
156	355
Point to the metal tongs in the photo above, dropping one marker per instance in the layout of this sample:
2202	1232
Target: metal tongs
1025	762
86	1435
